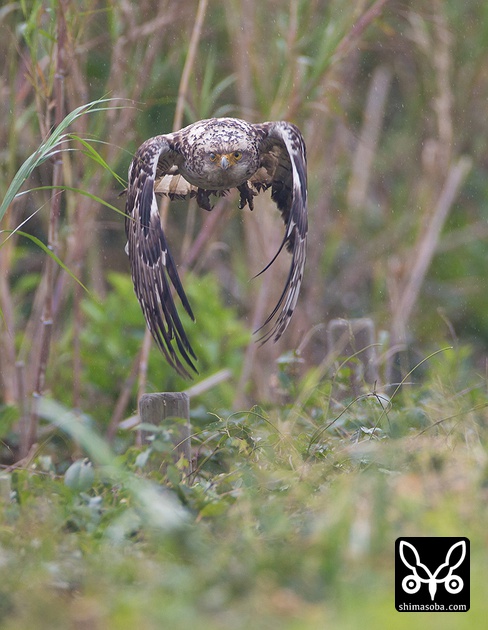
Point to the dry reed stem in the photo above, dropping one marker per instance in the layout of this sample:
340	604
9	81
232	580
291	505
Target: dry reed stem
425	250
177	123
299	98
184	82
123	400
241	26
7	320
122	121
189	63
249	368
363	160
438	169
211	226
77	362
442	64
142	373
50	268
24	420
359	27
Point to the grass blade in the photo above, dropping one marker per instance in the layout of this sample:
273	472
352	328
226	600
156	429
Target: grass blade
47	148
50	253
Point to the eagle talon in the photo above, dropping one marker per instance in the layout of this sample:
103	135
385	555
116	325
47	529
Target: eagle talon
247	197
203	200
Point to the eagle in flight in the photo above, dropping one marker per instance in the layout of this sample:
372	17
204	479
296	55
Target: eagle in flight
210	157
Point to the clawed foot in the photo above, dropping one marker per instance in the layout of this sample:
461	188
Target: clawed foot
203	199
247	197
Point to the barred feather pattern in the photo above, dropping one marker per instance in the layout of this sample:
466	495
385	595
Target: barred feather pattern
289	192
211	157
153	269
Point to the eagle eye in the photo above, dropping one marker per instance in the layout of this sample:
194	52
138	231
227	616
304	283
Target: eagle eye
213	156
237	155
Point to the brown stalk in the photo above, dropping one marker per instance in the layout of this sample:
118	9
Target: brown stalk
77	328
142	373
439	171
190	60
50	268
84	232
240	24
258	316
123	400
343	49
368	140
7	320
120	122
24	432
442	64
426	249
177	122
213	223
359	27
242	27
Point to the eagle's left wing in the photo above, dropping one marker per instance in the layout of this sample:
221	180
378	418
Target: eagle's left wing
152	266
283	156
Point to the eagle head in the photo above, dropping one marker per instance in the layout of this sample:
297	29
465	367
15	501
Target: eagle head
221	154
222	167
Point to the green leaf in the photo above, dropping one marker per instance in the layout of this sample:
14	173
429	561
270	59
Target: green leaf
94	155
159	509
50	253
80	191
50	147
80	475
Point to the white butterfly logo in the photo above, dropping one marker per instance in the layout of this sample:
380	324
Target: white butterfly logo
412	583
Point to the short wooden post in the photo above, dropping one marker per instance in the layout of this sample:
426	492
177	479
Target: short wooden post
355	338
158	408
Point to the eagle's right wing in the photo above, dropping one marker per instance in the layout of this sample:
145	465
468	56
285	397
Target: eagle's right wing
153	268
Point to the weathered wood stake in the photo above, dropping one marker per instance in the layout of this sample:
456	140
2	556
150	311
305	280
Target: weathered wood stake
162	407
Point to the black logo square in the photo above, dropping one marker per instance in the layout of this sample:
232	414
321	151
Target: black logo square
432	574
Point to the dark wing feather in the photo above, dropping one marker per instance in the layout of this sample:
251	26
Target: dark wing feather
283	155
152	266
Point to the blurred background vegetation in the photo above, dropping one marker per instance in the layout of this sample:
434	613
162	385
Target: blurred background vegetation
292	511
389	96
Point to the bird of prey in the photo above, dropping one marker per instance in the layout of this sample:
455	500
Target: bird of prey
211	157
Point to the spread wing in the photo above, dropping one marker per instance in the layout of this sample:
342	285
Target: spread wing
284	162
152	266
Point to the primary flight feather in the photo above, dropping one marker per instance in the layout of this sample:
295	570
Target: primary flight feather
210	157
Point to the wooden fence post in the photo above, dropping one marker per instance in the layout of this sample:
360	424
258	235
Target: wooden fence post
158	408
355	338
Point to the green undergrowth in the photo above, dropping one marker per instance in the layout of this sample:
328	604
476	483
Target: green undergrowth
288	520
112	336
